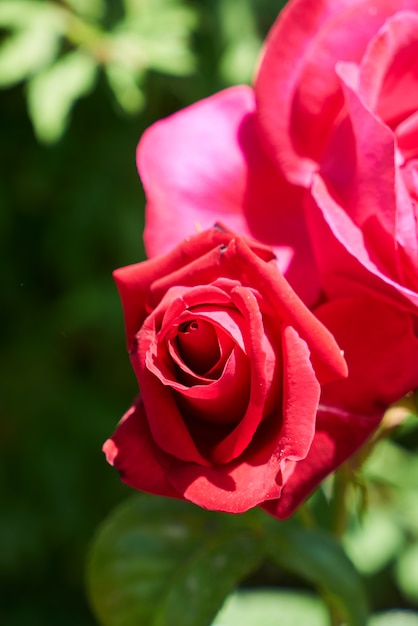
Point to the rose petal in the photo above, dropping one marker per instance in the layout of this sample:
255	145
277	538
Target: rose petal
256	475
207	163
194	170
198	345
388	72
132	451
368	189
337	436
344	260
283	303
165	421
189	378
301	392
407	136
383	366
381	350
407	223
134	281
223	401
225	320
237	486
265	380
298	93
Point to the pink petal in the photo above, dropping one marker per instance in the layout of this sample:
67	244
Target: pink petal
207	164
194	170
345	261
407	223
298	93
388	71
359	168
407	136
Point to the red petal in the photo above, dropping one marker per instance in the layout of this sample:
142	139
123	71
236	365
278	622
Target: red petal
381	350
132	451
198	345
337	436
286	306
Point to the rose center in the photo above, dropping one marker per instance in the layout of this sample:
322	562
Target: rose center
198	345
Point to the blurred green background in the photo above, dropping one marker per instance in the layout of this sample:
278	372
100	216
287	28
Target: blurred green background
81	80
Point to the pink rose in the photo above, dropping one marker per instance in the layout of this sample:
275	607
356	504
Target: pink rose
207	163
230	365
337	95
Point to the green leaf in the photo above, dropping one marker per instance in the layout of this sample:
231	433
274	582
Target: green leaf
161	562
21	13
272	607
374	541
392	464
239	61
396	617
407	573
52	93
123	83
93	9
243	43
158	35
318	558
33	40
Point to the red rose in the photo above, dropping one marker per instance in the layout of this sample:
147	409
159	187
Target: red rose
230	365
337	94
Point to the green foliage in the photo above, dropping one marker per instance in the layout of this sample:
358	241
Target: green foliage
407	572
394	618
164	562
373	541
59	49
52	93
318	558
34	32
159	562
248	608
244	42
147	35
385	538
